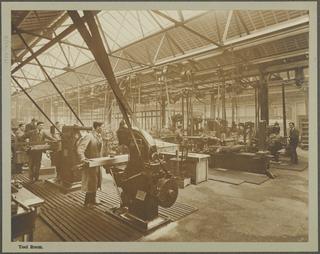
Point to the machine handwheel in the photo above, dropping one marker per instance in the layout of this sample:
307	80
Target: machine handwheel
168	192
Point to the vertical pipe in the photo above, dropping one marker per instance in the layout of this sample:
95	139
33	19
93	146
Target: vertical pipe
104	107
284	117
51	113
157	122
168	98
187	109
237	108
232	109
163	112
218	102
256	106
191	115
212	107
182	111
223	101
263	100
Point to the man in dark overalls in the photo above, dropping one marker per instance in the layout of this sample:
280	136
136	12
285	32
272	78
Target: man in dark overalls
293	143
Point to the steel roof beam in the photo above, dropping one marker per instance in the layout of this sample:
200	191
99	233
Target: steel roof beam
22	18
26	78
276	32
182	24
175	43
66	32
159	48
242	22
238	26
49	78
226	28
55	40
218	28
103	34
140	25
271	68
180	15
57	23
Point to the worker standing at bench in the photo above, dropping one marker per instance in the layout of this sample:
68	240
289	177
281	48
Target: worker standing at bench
90	146
35	156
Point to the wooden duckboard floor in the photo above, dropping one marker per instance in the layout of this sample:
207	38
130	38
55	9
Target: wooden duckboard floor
66	215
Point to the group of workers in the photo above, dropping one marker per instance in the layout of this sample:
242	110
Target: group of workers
246	131
86	147
90	146
32	133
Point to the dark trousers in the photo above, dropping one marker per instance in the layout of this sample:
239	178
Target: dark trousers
56	160
293	154
19	168
275	153
90	198
34	164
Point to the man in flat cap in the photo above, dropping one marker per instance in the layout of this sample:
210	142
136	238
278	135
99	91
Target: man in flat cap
31	126
90	146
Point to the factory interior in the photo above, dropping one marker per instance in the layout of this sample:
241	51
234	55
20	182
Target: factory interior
159	126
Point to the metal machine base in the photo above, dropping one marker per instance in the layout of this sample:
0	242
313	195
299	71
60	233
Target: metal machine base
141	225
63	188
250	162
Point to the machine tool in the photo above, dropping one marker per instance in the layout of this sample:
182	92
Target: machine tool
70	174
145	183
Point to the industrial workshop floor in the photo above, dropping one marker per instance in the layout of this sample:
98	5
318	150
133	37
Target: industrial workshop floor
274	211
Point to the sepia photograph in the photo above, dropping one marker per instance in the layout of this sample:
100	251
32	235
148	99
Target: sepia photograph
154	124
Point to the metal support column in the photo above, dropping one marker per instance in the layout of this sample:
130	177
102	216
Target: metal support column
182	112
284	116
218	102
163	112
223	101
105	106
263	99
188	119
212	107
191	115
256	104
233	106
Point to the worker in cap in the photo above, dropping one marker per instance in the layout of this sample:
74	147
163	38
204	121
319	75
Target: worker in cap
31	126
91	146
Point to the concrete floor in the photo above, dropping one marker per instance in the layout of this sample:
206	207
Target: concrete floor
275	211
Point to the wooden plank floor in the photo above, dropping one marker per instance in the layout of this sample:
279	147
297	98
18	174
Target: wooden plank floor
66	215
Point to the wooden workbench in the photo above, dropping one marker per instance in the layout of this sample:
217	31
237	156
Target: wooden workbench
197	165
23	221
27	198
